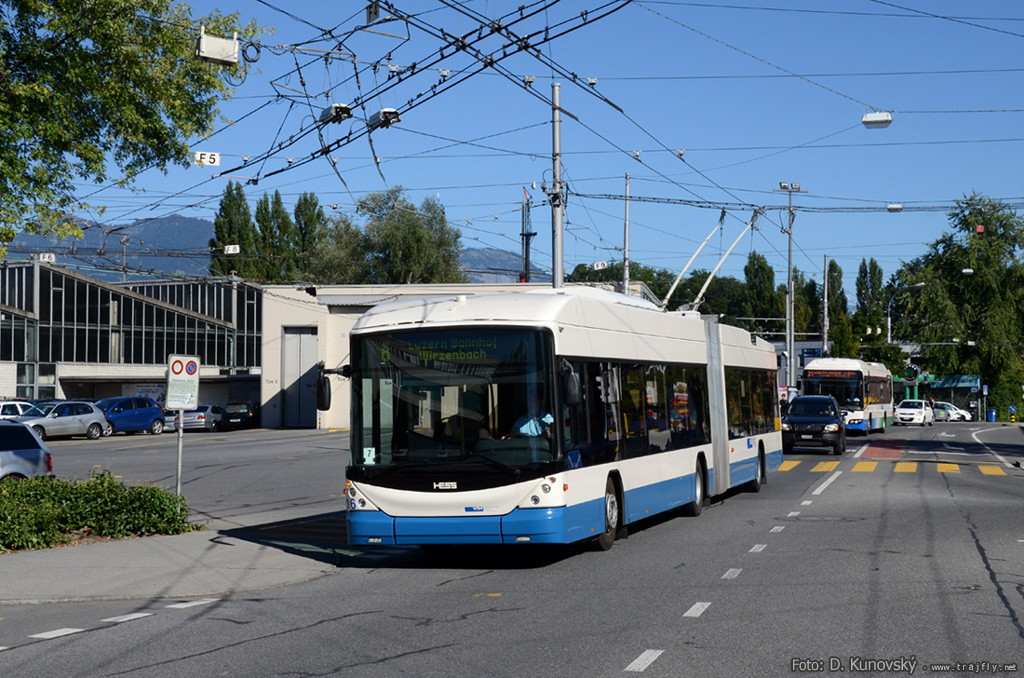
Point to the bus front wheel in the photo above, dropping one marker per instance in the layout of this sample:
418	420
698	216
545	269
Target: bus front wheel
612	516
694	507
757	483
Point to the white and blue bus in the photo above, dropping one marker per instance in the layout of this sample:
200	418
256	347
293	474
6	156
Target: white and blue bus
644	411
863	389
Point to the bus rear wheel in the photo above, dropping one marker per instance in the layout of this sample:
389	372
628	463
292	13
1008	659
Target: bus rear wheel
612	516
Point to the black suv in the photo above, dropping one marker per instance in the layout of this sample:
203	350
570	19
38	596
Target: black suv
814	420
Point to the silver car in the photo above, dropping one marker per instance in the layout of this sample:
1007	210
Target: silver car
203	418
23	454
66	418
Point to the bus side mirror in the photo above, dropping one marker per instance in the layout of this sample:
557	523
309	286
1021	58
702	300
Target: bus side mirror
573	392
323	391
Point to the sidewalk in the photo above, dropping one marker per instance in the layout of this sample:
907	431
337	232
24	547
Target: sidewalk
208	563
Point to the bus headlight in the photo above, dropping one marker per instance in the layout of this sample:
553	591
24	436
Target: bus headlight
545	488
534	500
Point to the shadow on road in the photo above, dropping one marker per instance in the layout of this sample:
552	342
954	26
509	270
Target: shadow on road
324	538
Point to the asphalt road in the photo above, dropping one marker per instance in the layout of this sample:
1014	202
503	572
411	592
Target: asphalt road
909	549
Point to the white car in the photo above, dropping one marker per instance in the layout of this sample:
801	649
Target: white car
9	409
913	412
950	412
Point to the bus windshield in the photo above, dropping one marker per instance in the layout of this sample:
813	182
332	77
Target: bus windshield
845	386
444	397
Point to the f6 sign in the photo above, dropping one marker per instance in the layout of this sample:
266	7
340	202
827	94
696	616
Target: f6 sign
206	158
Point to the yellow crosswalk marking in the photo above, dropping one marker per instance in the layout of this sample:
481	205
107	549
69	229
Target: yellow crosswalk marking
897	467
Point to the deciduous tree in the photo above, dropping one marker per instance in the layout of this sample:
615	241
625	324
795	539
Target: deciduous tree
88	89
971	323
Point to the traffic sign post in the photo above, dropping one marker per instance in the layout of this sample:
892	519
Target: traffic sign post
182	394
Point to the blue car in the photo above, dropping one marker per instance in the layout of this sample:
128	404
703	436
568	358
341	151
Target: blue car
133	414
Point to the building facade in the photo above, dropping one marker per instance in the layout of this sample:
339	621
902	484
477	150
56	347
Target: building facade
65	335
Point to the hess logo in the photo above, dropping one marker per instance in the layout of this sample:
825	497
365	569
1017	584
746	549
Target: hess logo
450	485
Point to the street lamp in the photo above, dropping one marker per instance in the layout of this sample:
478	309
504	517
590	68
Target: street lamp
888	309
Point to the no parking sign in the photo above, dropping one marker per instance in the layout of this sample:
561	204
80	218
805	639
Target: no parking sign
182	382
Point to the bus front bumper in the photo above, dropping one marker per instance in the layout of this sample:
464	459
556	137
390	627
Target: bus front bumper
531	526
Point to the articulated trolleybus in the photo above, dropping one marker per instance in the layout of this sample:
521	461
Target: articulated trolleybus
862	389
551	416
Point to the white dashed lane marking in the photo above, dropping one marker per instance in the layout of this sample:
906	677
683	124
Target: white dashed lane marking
758	548
777	528
644	660
128	617
697	610
56	633
732	574
193	603
831	479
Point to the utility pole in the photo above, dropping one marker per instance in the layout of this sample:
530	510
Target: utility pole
791	360
824	319
527	236
625	239
124	257
555	195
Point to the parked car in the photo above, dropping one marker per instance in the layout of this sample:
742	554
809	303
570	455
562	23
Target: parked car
203	418
133	414
913	412
814	420
23	454
66	418
241	415
9	409
949	412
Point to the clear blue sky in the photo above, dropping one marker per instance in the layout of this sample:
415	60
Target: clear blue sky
755	93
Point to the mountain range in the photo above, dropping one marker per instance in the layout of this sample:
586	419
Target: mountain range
177	246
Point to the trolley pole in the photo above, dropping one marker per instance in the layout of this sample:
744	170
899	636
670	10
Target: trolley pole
625	240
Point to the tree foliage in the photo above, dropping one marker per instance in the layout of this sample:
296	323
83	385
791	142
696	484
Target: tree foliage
406	245
91	88
233	225
971	323
870	291
278	240
762	299
399	244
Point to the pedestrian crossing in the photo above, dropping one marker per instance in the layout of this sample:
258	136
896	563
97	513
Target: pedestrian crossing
859	466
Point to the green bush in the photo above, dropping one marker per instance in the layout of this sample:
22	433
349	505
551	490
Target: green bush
45	512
